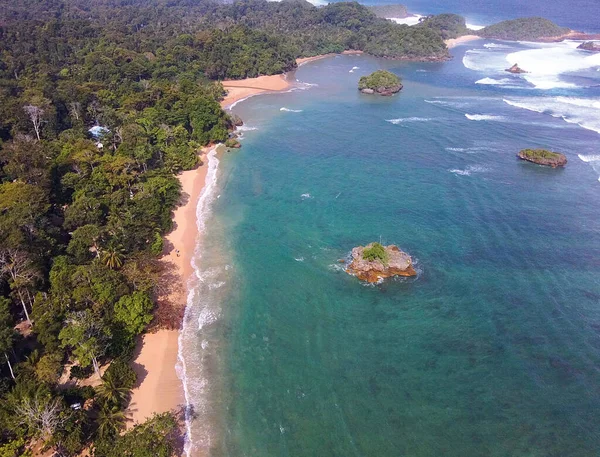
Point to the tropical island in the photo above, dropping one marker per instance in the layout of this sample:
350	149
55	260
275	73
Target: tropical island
380	82
543	157
375	262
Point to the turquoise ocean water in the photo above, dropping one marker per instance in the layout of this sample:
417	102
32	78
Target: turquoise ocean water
493	350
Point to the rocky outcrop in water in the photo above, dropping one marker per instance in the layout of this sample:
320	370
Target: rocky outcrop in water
590	46
543	157
380	82
515	69
375	262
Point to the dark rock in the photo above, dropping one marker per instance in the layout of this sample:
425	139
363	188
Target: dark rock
515	69
590	46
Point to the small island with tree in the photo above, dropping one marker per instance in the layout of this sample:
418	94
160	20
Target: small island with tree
380	82
543	157
375	262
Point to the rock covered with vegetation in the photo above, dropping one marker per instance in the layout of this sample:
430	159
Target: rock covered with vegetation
375	262
543	157
380	82
523	29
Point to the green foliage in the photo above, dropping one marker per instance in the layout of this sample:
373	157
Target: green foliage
7	332
157	437
447	25
111	393
134	312
379	78
375	252
121	372
157	245
49	366
14	448
528	28
79	372
232	143
540	154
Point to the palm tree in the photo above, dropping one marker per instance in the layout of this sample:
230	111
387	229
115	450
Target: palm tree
110	420
113	257
110	392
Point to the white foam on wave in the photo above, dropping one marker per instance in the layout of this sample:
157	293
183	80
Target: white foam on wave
299	259
229	107
410	20
546	65
473	150
593	160
305	196
288	110
496	46
450	103
353	68
302	86
469	170
474	26
485	117
200	314
245	128
584	112
402	120
589	158
496	82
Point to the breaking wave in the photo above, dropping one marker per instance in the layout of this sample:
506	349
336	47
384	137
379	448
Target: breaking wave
402	120
288	110
496	82
589	158
574	110
199	312
469	170
484	117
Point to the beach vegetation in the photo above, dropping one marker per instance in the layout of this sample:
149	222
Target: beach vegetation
375	252
134	312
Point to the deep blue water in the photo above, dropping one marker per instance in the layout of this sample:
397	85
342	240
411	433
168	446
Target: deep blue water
493	350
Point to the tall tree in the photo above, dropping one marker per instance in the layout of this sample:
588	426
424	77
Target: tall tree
87	335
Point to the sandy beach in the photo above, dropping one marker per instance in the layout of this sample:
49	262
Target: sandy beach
240	89
243	88
159	388
460	40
